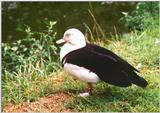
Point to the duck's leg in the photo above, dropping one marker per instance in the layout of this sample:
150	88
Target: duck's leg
89	88
88	91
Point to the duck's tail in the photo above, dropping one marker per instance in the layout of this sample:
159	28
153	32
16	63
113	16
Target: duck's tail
139	81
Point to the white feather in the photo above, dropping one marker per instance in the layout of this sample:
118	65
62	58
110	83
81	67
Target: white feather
81	73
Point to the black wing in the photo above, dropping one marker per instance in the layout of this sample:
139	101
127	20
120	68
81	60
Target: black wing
112	55
108	66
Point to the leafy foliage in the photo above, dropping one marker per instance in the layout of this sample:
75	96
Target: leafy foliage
28	61
37	46
143	16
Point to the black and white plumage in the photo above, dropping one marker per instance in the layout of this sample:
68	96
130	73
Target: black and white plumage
92	63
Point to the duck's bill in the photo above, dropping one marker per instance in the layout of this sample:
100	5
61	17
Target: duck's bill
60	41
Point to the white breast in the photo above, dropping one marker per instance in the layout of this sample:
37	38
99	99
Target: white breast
81	73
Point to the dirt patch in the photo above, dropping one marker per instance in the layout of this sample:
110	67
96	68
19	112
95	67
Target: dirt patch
52	103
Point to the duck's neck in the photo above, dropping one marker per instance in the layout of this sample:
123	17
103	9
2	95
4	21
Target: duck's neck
67	48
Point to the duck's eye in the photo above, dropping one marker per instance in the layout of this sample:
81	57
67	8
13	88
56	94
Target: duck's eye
68	35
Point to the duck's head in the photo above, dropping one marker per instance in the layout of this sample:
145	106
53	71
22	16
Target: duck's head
73	37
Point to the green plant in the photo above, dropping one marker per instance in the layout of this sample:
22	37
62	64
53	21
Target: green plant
26	62
37	46
143	16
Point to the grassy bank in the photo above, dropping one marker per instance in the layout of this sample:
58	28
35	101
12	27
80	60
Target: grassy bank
138	48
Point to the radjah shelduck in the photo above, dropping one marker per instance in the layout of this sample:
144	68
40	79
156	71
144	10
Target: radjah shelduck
92	63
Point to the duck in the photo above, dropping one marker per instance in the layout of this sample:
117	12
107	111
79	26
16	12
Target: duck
92	63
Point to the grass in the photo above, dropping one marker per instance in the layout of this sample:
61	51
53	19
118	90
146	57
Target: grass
107	98
138	48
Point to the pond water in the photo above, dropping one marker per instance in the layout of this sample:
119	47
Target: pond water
67	14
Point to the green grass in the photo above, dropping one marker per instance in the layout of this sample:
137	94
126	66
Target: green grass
107	98
138	48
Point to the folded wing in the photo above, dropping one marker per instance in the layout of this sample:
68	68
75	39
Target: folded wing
107	65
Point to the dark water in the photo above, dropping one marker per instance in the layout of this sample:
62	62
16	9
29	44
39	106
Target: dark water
67	14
